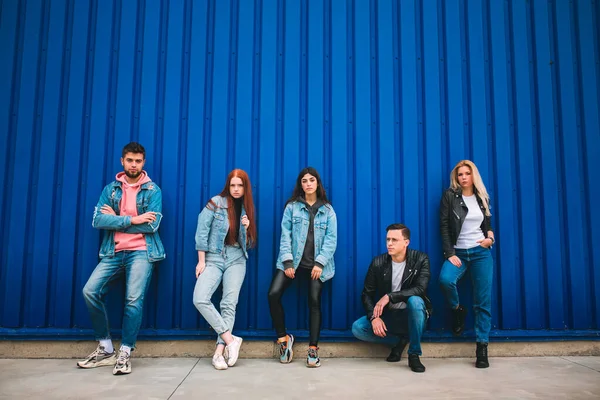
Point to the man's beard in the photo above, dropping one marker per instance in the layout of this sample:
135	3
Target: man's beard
134	175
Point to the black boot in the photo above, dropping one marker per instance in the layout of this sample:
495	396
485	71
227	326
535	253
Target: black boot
396	353
458	320
415	364
482	356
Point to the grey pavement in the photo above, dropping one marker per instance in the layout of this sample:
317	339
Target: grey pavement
338	378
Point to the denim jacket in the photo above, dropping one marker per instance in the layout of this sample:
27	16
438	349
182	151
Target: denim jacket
294	229
213	225
149	198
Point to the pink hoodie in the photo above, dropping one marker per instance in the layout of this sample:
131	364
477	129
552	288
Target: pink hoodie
128	206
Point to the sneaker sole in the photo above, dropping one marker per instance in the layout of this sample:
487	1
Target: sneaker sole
122	372
104	363
313	365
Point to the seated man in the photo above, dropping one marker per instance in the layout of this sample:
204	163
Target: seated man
400	277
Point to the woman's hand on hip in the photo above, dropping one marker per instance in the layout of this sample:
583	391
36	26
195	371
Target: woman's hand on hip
200	268
455	261
486	243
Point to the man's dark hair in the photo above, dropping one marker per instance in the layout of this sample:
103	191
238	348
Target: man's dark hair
133	147
399	227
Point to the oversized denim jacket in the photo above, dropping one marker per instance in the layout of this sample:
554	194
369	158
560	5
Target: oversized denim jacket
294	229
149	198
213	225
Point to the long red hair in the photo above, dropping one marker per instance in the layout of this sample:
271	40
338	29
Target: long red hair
248	205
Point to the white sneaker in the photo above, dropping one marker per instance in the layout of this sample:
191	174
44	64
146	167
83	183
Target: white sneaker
233	350
123	365
218	361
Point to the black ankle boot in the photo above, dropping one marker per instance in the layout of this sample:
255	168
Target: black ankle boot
396	353
458	320
415	364
482	356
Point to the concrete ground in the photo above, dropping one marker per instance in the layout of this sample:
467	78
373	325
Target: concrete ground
575	377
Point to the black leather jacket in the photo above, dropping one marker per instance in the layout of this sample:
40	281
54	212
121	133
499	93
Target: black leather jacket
453	212
414	281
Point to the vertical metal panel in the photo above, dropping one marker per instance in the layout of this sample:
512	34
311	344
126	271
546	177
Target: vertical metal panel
382	97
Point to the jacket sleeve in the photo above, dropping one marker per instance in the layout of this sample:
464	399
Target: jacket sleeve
445	216
329	241
285	242
369	289
420	286
107	221
154	205
205	219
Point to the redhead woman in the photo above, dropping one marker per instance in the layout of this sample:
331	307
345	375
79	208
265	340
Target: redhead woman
226	230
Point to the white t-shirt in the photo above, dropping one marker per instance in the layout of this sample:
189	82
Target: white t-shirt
470	232
397	273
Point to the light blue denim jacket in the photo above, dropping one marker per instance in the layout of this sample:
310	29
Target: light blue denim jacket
149	198
294	229
213	225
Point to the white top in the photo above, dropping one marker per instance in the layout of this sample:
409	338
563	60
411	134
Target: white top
470	232
397	273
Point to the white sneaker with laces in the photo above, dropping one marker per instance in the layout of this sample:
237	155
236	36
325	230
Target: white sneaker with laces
233	350
123	365
218	361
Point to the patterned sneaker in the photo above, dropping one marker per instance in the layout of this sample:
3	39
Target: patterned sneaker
313	360
99	358
123	365
218	361
286	353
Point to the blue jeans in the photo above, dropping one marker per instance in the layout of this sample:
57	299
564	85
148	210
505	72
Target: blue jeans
229	267
479	261
136	268
410	320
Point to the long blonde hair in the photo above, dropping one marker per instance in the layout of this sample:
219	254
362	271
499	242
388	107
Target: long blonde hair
477	183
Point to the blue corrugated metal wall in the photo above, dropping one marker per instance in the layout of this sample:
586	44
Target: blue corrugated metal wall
383	97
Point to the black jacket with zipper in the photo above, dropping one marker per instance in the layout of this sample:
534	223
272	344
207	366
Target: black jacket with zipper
453	212
414	280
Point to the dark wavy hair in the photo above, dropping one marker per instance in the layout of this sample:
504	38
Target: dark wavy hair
298	192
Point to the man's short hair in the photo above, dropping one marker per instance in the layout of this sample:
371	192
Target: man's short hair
133	147
399	227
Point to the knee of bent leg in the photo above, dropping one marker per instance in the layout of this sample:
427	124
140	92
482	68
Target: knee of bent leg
358	328
446	282
201	301
274	295
415	303
89	294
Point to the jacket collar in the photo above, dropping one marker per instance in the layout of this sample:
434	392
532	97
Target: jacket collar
148	185
458	193
408	269
304	204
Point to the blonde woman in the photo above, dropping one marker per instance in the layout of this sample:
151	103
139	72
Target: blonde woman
467	236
